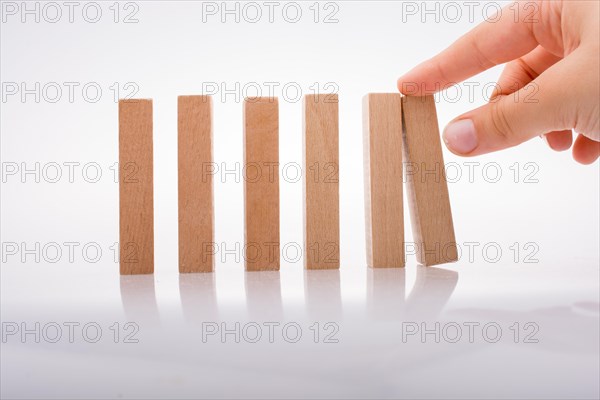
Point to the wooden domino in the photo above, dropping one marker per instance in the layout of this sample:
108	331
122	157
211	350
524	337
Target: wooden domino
392	126
136	204
382	134
427	188
261	184
195	184
321	182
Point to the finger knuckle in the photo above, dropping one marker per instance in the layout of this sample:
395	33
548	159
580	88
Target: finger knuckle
501	124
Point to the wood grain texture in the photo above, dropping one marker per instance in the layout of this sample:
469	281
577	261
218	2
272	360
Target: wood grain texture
136	201
382	134
321	182
195	184
427	189
261	184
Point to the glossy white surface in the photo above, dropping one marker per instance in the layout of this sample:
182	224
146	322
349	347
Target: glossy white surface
172	359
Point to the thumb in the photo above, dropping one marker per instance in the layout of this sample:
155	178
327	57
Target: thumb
541	106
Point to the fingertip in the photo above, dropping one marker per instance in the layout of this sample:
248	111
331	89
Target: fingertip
460	137
418	81
585	160
408	85
399	83
586	151
559	140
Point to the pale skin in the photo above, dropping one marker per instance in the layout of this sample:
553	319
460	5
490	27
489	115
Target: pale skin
552	55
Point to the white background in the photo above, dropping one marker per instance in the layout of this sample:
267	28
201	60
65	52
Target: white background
552	205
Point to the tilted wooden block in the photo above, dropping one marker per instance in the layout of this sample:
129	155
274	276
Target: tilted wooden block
261	183
321	182
427	188
195	184
382	134
136	201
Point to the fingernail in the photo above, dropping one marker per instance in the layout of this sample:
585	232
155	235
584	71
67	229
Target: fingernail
460	136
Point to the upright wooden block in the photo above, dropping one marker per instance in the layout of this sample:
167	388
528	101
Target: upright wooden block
382	133
321	182
261	183
195	184
427	188
136	201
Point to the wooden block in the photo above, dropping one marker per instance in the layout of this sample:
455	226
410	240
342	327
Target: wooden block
136	201
427	188
261	184
321	182
382	133
195	184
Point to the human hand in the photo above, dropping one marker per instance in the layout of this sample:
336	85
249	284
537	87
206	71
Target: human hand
552	46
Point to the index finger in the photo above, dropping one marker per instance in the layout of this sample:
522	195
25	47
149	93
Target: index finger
495	41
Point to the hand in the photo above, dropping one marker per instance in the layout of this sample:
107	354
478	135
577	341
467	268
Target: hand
556	50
